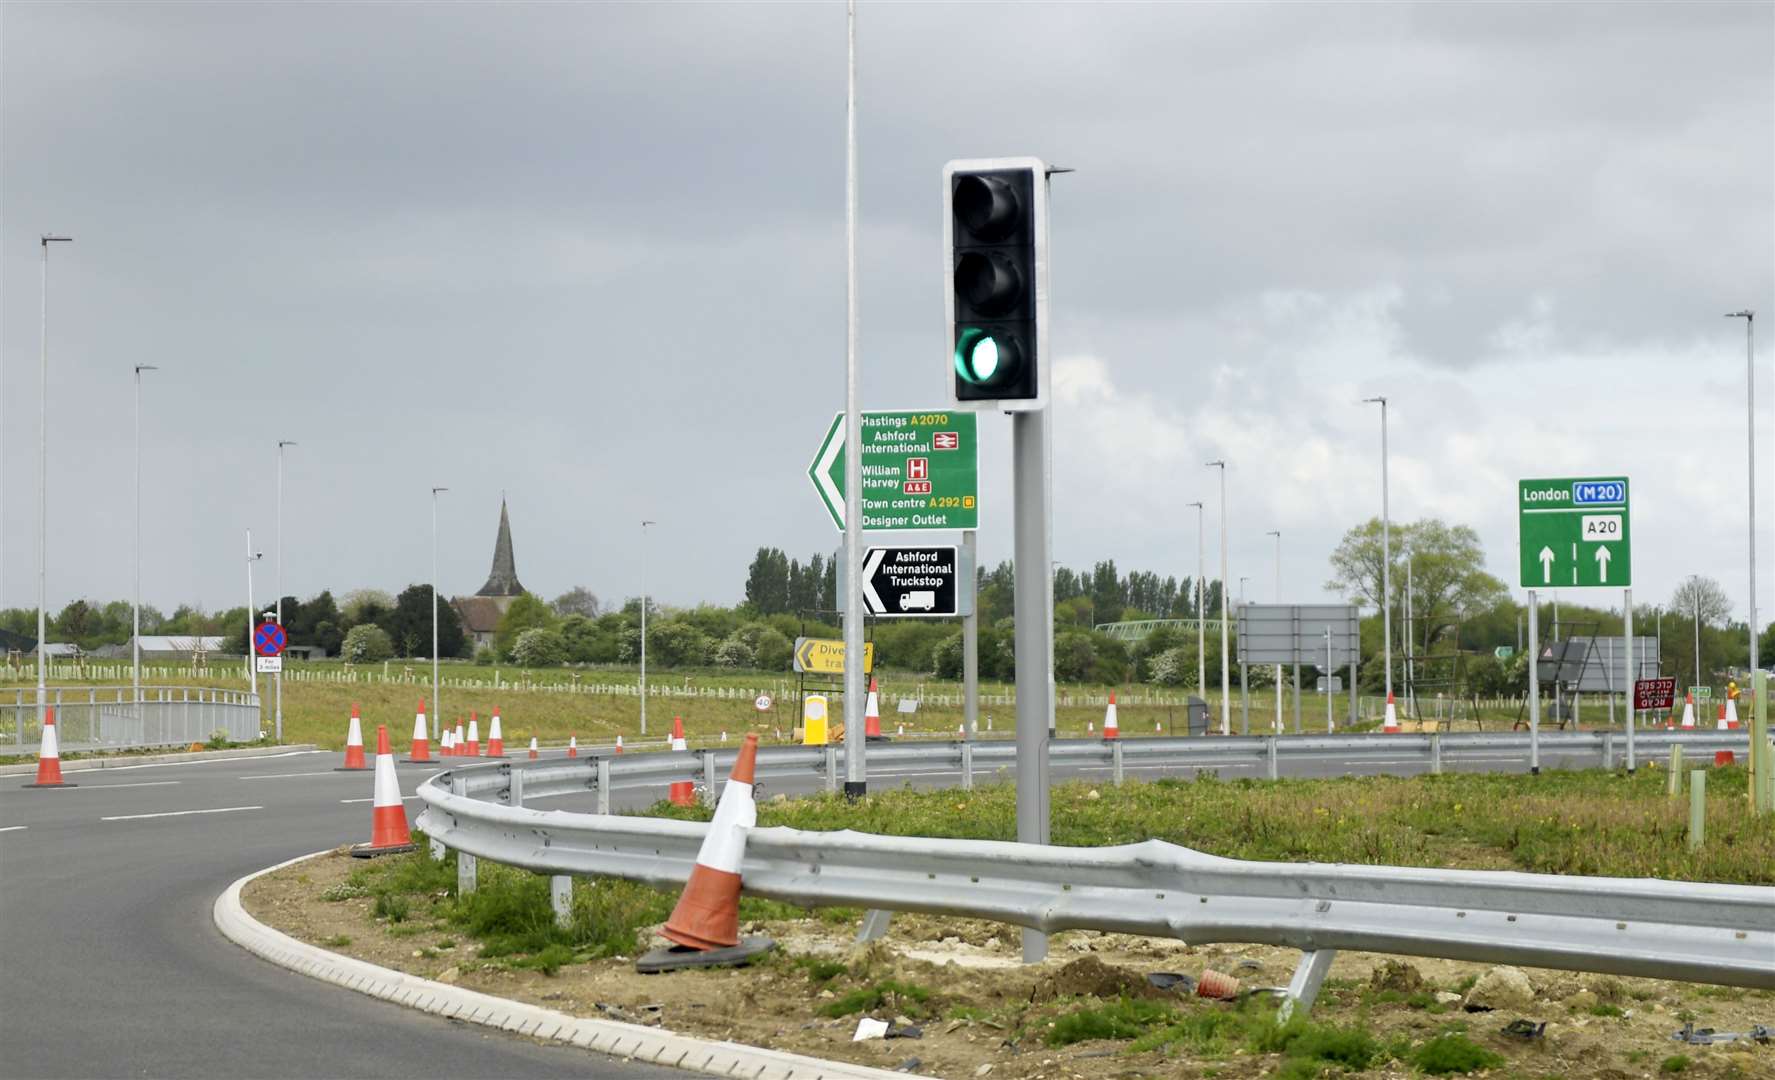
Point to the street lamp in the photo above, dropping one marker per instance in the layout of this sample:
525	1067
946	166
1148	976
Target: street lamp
252	662
1201	601
277	680
1386	551
644	525
43	481
135	671
437	707
1750	412
1226	705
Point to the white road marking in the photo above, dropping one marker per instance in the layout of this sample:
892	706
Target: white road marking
73	766
283	775
180	813
404	798
142	783
12	828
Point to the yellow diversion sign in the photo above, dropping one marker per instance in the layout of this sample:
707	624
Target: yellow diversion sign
825	656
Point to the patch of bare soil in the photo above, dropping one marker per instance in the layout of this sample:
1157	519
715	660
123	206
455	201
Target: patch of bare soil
983	1014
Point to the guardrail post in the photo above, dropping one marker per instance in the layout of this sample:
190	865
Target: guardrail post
1270	753
465	873
437	849
514	794
1303	989
875	924
967	766
603	785
561	898
1435	753
1115	761
1697	808
1675	784
709	792
1608	751
831	768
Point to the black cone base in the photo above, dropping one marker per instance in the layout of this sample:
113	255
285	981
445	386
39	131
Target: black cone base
680	957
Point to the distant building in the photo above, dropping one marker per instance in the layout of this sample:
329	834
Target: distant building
176	646
61	650
481	612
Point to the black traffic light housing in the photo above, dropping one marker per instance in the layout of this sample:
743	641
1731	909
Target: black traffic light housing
995	234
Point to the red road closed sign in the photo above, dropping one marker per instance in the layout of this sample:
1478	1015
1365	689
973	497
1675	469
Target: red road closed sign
1654	693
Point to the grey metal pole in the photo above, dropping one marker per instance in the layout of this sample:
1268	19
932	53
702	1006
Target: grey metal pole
970	642
1244	677
1330	721
43	485
437	706
1226	699
135	618
644	525
252	663
1201	606
1277	533
277	677
1627	612
1031	546
856	782
1386	552
1750	457
1534	684
1411	684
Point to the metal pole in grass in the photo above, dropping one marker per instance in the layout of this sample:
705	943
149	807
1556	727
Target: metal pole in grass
1697	808
1762	754
1674	786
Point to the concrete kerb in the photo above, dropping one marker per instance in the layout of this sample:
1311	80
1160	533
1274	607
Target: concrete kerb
632	1041
86	764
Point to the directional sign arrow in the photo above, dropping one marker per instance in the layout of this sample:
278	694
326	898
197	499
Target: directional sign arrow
872	599
1546	557
1602	563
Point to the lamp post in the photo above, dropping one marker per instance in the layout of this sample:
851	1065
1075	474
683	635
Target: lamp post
437	707
1386	552
277	678
43	482
1277	533
1201	602
135	618
252	660
644	525
1226	704
1750	457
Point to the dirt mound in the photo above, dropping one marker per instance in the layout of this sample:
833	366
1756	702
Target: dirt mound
1396	975
1090	977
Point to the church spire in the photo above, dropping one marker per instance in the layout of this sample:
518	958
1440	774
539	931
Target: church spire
503	581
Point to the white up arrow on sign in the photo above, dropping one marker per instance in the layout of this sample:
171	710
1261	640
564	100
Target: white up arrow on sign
1602	563
1546	566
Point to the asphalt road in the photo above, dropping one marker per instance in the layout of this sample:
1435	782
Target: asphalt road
112	967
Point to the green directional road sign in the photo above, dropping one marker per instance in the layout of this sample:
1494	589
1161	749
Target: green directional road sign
921	471
1574	533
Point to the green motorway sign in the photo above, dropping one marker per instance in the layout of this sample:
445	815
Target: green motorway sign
1574	533
921	470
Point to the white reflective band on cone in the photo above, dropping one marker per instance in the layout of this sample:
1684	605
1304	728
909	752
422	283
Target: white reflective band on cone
724	846
419	729
387	791
51	748
354	735
680	744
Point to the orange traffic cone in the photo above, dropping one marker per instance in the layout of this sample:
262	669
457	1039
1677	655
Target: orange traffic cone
49	755
1731	714
682	792
388	817
495	737
533	754
1110	730
354	745
573	746
619	744
872	714
473	747
1390	724
421	750
1720	724
1689	710
448	741
456	740
708	912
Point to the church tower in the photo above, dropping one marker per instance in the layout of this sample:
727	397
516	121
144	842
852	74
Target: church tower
481	612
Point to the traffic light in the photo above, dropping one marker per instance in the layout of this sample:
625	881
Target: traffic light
996	238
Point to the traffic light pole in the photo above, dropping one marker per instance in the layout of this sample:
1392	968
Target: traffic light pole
970	641
1034	631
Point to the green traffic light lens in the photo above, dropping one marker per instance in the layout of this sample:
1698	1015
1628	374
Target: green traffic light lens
984	360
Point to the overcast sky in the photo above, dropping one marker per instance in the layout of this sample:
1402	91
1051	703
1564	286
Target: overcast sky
593	256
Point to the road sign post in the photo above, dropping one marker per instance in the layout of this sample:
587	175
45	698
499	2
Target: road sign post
921	470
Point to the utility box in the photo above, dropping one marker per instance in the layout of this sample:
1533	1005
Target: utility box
1196	722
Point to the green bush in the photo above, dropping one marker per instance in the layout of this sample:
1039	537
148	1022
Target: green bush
901	997
1123	1018
1454	1053
1675	1063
